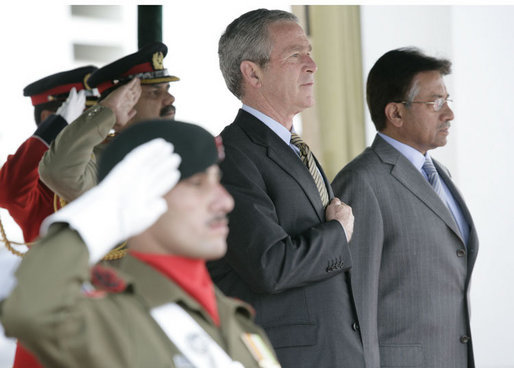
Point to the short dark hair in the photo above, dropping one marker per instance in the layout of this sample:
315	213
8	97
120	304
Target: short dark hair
390	79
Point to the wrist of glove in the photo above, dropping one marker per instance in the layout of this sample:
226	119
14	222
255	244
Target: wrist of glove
74	105
127	202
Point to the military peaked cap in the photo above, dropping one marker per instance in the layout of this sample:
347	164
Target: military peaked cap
197	148
56	87
145	64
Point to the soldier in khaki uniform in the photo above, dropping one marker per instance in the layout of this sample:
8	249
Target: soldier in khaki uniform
160	308
69	166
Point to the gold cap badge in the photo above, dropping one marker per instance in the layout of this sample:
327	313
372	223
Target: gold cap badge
157	59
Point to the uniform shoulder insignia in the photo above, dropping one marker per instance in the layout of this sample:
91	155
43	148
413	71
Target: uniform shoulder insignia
107	279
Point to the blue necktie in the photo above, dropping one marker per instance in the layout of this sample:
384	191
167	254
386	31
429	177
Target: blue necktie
434	180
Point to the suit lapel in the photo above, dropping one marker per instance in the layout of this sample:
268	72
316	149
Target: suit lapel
413	181
280	153
473	236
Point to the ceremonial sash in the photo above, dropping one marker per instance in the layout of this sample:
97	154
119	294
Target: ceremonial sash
191	339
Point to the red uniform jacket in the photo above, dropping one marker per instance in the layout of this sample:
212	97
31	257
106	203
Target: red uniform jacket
27	199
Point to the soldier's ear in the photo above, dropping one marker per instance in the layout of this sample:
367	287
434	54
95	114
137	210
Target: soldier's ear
394	113
251	73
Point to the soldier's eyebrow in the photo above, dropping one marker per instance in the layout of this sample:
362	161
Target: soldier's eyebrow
165	86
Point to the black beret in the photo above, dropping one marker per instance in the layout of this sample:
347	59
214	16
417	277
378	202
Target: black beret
198	148
56	87
145	64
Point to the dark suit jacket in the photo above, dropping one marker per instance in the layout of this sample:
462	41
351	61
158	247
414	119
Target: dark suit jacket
283	257
411	268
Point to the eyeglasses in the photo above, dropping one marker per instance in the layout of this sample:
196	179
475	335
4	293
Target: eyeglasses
437	104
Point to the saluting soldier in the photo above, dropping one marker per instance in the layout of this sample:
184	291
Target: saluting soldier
58	99
160	307
69	166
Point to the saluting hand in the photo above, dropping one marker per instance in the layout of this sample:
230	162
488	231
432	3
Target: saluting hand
123	204
122	100
73	106
340	211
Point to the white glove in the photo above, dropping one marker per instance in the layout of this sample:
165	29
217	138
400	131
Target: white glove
127	202
74	105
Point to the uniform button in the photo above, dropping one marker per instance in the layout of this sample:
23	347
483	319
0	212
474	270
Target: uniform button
464	339
461	252
355	326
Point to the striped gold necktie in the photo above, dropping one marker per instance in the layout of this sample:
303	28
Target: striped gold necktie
308	160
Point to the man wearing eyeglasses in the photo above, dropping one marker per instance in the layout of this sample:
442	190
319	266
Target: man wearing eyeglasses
414	242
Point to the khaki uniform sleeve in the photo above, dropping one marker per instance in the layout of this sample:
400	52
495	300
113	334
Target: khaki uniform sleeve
69	166
48	285
50	314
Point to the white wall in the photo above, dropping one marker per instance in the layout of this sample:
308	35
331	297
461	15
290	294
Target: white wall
479	40
22	60
202	96
389	27
483	45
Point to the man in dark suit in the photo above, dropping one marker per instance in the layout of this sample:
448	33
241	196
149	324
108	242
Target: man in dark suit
414	244
287	245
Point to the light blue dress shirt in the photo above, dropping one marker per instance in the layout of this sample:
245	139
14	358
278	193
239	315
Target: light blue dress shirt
274	125
277	128
418	159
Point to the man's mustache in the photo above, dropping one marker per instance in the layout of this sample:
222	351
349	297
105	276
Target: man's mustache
167	110
446	124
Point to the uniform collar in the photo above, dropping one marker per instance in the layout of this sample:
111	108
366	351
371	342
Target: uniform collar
190	274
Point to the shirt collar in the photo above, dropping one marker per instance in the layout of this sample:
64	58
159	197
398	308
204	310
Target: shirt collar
413	155
274	125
